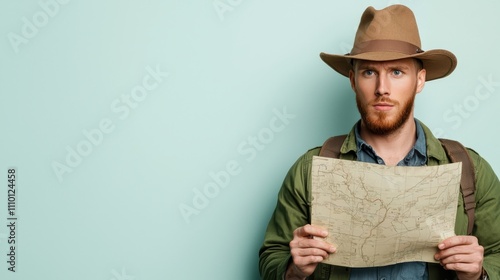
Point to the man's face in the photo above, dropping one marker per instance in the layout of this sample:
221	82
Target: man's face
385	92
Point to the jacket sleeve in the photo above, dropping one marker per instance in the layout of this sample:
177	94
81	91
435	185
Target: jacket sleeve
291	212
487	214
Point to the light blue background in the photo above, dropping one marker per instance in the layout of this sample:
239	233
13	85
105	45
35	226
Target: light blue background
116	214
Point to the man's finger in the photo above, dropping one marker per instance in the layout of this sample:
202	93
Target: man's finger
312	252
310	230
315	243
456	241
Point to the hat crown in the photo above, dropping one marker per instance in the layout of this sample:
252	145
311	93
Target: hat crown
394	23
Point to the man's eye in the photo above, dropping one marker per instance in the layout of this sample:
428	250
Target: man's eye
368	72
397	72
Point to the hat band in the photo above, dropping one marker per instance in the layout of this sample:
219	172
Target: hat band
385	46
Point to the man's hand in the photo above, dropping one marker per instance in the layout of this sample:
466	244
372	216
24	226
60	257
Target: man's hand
462	254
307	251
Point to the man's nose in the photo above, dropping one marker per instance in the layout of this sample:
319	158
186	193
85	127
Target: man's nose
382	85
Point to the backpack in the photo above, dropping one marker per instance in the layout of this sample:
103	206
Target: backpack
455	151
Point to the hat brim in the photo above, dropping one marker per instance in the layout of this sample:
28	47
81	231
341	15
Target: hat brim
437	63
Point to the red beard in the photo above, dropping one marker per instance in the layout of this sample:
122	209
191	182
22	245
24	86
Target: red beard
379	122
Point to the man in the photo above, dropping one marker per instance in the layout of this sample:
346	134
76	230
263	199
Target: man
386	69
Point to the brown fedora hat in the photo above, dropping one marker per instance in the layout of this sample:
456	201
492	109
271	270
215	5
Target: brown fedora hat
391	34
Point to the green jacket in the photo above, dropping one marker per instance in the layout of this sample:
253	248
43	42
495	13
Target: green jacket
293	211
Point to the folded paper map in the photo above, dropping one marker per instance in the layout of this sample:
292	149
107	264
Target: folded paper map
379	215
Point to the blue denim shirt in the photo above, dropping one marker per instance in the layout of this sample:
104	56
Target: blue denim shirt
417	156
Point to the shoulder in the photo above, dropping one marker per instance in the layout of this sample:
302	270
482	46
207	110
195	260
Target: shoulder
486	179
304	162
312	152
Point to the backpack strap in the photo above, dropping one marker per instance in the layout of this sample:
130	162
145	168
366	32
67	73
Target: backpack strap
457	153
331	147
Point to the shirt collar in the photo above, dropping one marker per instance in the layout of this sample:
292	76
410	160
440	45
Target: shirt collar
416	156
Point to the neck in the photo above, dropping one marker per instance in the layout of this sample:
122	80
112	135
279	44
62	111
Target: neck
392	147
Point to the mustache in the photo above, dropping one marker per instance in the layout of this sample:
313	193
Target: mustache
385	99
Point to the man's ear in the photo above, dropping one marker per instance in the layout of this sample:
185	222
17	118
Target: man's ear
421	80
352	80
